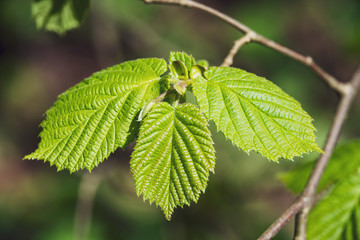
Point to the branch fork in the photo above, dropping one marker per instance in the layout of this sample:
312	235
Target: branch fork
247	38
347	91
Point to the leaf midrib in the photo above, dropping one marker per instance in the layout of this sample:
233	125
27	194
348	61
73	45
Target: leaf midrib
204	154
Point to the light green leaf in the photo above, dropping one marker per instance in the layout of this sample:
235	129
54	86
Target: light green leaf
345	157
254	113
337	215
59	15
197	71
186	59
202	62
179	70
173	156
95	117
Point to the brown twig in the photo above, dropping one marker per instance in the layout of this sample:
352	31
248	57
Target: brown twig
346	90
347	98
287	215
307	198
237	45
282	220
255	37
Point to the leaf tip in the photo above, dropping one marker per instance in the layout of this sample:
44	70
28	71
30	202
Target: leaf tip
28	157
32	156
318	149
168	215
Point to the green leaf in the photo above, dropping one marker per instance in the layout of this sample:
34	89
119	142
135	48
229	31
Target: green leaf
179	70
173	156
345	157
186	59
352	229
337	215
95	117
197	71
254	113
202	62
59	15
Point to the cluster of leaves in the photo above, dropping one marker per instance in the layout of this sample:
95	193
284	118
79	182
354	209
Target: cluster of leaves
174	152
337	215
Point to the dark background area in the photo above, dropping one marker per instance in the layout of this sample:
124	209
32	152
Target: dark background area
244	196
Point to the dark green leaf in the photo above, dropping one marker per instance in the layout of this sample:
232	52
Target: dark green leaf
59	15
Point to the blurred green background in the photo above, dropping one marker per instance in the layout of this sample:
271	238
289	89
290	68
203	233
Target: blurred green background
243	197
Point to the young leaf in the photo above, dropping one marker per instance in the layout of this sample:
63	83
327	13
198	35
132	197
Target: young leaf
337	213
197	71
202	62
187	60
173	156
345	157
59	15
254	113
95	117
179	70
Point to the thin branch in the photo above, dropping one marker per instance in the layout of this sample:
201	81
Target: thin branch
335	130
237	45
83	214
316	199
282	220
307	198
355	81
347	91
255	37
287	215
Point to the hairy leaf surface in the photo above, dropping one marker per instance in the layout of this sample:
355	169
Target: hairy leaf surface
344	162
59	15
254	113
337	216
95	117
173	156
